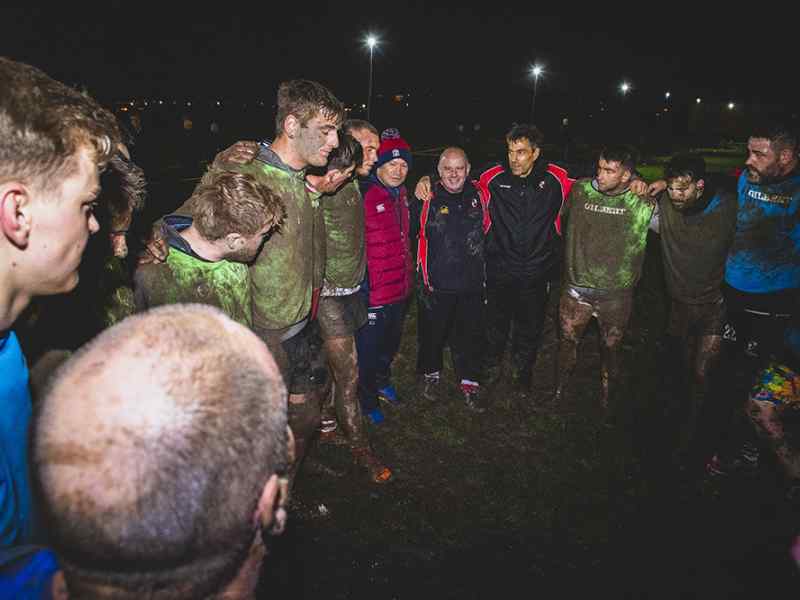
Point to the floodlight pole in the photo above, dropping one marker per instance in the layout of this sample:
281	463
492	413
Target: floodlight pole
371	44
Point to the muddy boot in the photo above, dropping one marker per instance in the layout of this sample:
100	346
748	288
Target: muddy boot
365	458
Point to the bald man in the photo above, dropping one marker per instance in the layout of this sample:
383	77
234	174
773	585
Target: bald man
449	230
160	450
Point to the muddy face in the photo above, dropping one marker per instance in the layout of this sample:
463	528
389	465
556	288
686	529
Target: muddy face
612	177
684	192
763	164
317	139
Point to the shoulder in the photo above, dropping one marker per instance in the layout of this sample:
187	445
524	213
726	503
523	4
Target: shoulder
489	172
557	171
350	191
375	193
581	186
146	274
232	268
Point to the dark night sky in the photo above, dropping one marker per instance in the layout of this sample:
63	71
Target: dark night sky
127	49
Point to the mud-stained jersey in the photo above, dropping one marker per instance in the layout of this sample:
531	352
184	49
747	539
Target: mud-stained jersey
765	255
185	277
605	237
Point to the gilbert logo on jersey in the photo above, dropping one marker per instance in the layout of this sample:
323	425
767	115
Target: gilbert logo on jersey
607	210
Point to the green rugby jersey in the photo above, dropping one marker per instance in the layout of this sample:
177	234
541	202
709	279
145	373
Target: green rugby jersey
605	237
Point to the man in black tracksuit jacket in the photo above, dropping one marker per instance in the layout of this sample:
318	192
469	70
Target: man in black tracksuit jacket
449	229
524	197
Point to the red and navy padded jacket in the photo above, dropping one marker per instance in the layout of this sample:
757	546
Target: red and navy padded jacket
389	268
523	234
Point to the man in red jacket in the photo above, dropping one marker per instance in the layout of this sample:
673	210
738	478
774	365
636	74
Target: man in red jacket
389	271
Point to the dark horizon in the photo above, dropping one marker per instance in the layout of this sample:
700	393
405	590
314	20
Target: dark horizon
119	50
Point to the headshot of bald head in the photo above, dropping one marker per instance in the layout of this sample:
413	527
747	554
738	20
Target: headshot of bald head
453	168
160	450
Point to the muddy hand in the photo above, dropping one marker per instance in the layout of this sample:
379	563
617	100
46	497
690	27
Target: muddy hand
156	248
639	187
655	188
241	153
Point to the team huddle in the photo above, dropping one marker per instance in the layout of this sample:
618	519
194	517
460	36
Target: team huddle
268	309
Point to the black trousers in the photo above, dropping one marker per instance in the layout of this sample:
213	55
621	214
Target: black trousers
457	319
516	308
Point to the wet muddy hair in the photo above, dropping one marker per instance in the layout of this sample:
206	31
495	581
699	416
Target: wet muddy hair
780	135
525	131
623	154
306	99
44	124
124	190
686	165
226	202
348	153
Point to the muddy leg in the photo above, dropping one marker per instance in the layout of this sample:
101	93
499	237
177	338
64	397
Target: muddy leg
304	419
343	361
574	316
705	357
613	317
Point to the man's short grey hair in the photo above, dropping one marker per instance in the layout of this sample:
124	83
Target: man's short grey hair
152	447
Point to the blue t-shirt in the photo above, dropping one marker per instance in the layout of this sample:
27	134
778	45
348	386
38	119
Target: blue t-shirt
765	255
15	415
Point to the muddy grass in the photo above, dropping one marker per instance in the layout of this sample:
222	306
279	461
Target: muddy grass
533	498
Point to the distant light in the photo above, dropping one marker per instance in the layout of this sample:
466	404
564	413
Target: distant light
218	102
131	103
698	100
188	104
731	106
537	70
624	87
667	95
372	41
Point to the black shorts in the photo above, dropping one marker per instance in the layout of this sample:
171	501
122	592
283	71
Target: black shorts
696	319
341	316
300	353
